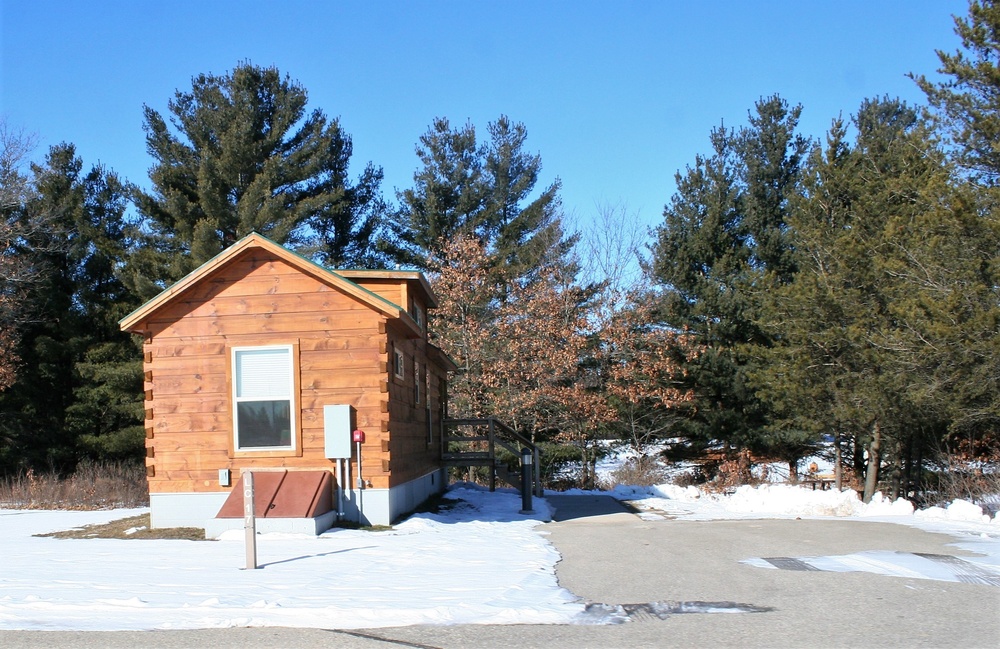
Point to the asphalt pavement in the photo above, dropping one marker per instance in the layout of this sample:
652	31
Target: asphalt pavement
684	586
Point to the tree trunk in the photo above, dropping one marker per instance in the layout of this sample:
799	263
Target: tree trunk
894	479
908	467
838	463
793	471
874	459
858	456
584	469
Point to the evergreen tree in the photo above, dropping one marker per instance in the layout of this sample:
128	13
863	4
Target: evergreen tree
723	245
500	264
526	233
446	200
967	107
870	328
244	155
968	102
483	191
73	235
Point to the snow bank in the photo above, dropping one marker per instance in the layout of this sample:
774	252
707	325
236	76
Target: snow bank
776	500
792	501
958	510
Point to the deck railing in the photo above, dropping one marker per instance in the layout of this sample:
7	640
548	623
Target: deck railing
484	447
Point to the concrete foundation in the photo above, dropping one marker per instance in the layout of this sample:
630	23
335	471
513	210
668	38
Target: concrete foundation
365	506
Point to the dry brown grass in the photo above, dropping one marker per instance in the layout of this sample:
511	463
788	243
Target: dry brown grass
643	471
974	484
133	527
93	486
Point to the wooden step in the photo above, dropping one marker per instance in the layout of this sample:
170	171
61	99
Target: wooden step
467	463
468	456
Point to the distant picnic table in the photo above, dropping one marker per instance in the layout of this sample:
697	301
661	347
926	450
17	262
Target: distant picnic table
824	481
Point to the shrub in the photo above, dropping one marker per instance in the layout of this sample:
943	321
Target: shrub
94	485
641	471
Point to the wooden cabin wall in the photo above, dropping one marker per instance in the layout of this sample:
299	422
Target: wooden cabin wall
411	454
394	290
258	299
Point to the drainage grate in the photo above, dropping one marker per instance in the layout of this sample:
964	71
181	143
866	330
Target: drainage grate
895	564
965	571
788	563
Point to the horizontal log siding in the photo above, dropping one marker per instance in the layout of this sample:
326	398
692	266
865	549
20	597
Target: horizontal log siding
410	454
258	299
396	291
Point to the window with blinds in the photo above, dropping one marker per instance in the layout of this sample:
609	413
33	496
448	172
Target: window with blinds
263	416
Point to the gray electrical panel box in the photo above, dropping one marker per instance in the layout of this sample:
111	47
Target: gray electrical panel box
338	423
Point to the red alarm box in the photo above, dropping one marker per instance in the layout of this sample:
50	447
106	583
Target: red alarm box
358	436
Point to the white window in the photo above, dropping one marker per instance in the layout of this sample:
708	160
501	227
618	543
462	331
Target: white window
263	413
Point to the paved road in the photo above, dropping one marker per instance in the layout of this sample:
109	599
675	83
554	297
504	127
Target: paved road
611	556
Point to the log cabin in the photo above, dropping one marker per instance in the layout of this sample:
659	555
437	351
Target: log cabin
261	360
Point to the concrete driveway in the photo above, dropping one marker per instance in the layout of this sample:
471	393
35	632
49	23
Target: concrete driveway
612	557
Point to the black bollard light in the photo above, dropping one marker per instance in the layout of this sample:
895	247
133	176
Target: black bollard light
526	460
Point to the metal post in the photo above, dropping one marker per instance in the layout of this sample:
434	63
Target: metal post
538	475
493	458
361	490
340	488
526	463
249	521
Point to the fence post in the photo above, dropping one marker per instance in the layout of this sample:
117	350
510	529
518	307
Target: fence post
493	457
249	521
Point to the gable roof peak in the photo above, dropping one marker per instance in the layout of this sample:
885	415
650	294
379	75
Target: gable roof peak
257	240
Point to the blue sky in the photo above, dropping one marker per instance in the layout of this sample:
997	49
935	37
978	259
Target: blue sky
616	96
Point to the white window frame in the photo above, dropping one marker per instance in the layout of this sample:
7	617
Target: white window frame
292	401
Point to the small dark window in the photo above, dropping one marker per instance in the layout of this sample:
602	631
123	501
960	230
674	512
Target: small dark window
416	382
399	365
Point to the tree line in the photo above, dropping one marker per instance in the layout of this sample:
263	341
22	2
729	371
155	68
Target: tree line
797	293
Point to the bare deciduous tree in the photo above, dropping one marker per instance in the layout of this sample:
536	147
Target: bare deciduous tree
15	188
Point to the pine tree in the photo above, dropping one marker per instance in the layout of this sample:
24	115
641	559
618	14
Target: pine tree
966	107
526	233
968	102
446	200
722	246
511	313
244	155
872	326
485	191
73	237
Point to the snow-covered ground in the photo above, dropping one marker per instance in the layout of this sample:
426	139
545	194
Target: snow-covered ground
479	563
